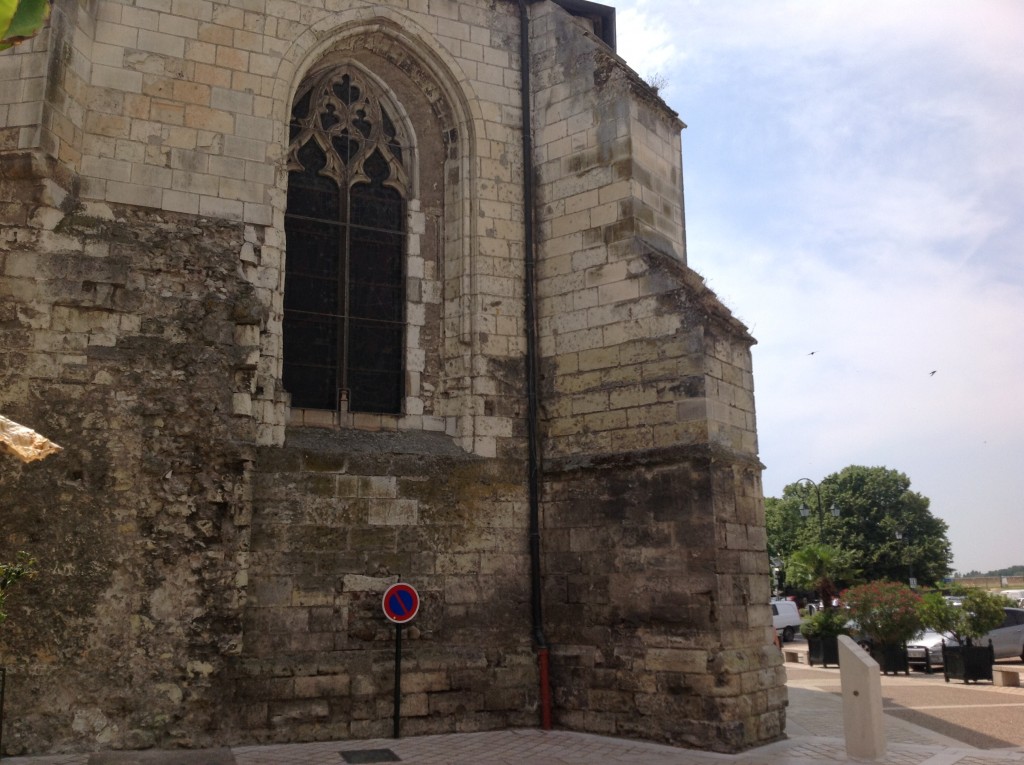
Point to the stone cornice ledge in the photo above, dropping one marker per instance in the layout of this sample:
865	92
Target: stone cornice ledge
664	455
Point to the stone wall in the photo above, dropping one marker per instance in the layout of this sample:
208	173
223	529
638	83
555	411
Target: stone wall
199	589
212	559
122	337
654	522
637	653
338	517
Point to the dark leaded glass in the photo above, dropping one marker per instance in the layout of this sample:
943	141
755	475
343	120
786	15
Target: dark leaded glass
344	278
375	353
344	90
310	373
345	146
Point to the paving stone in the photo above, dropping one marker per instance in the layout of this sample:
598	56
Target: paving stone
222	756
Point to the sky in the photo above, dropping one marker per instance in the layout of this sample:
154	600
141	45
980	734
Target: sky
854	180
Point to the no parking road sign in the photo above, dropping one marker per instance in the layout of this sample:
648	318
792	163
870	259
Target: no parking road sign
401	603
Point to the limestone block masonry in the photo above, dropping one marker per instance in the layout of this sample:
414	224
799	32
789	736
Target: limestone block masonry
212	548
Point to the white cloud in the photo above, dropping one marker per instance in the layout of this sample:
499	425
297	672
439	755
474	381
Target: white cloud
648	45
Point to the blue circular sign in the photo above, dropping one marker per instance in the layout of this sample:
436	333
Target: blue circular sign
401	603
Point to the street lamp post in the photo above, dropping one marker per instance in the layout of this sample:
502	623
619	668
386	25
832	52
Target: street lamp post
910	559
776	565
806	511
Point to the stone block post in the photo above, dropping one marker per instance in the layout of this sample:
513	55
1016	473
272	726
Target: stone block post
862	702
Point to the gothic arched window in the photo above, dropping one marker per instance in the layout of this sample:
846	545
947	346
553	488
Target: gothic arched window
344	298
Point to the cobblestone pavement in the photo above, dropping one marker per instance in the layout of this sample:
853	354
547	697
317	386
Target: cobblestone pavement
814	727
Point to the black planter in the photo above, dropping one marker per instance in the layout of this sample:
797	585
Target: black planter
823	650
891	658
968	663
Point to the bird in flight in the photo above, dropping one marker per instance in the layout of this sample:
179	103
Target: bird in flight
812	353
932	373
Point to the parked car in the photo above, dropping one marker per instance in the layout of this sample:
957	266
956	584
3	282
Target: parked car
925	651
785	619
1017	596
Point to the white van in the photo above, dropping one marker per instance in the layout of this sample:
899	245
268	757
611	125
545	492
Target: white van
785	619
1017	596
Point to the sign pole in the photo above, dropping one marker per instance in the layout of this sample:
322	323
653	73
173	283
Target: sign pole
401	603
398	679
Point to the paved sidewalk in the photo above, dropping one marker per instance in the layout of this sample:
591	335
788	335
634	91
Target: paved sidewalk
814	728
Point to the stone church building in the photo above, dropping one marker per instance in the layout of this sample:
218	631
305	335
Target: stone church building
322	295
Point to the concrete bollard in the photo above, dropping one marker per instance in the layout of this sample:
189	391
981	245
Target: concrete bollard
862	702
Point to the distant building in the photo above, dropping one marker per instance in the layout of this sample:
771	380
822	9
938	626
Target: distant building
267	271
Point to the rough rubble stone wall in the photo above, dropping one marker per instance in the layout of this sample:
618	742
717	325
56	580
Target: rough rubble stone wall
654	522
119	338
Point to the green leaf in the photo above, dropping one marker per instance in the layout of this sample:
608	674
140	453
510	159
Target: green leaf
7	10
29	17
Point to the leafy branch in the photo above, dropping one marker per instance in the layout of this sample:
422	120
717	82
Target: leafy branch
21	19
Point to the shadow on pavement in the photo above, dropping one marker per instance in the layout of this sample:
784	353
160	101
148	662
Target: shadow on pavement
968	736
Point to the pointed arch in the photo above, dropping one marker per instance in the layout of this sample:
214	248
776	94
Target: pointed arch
427	90
344	308
342	112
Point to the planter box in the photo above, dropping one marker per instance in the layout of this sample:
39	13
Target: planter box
891	658
823	650
968	663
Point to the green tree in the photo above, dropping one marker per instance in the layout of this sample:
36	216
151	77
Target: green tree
821	568
886	530
979	612
784	526
788	530
1011	571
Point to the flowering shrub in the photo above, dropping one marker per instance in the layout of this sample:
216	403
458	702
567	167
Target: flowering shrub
885	611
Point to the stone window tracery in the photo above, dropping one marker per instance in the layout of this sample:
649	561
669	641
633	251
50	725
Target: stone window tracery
344	309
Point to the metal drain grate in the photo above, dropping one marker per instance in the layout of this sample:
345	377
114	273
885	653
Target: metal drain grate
357	756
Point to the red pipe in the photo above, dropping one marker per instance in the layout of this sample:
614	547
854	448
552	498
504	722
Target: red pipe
545	689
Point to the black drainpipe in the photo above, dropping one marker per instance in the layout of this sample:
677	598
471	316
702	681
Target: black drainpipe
532	416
